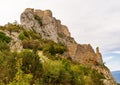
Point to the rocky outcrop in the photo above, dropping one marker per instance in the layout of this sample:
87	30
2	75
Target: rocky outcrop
43	23
15	44
51	28
85	55
99	56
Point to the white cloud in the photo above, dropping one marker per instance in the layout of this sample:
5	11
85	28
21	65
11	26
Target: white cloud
113	66
112	61
107	59
116	52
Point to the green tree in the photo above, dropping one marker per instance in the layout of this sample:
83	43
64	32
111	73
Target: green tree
31	64
20	77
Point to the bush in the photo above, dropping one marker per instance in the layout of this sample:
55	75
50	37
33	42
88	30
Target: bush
2	27
49	48
4	38
7	67
32	44
4	46
31	64
60	48
31	35
34	35
21	36
25	68
13	27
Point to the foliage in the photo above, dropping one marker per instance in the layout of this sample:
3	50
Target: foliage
62	72
11	27
32	44
25	68
21	36
31	63
2	27
28	68
21	78
31	34
7	66
4	38
4	46
32	40
51	49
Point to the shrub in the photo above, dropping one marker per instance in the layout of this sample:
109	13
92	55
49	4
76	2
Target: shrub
21	36
4	38
31	35
60	48
26	33
31	64
21	78
2	27
50	49
7	67
25	68
4	46
32	44
34	35
13	27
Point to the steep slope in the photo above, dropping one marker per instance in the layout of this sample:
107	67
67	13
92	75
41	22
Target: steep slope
50	28
39	30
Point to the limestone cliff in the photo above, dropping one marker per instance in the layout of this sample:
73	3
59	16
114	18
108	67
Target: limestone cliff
51	28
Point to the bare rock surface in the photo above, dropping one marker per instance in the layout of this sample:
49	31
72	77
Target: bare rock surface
43	22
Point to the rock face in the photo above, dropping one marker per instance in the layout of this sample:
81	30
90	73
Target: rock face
99	56
15	43
50	28
43	23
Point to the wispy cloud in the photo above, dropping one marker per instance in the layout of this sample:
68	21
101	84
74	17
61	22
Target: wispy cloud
107	59
113	66
116	52
112	60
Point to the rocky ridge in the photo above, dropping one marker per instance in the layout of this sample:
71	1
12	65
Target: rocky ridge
51	28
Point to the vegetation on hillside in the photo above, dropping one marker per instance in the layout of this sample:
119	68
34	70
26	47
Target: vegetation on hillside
4	38
28	67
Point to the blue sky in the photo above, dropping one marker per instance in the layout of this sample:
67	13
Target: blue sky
112	60
90	21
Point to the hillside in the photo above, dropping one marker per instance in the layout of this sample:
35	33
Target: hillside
41	51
